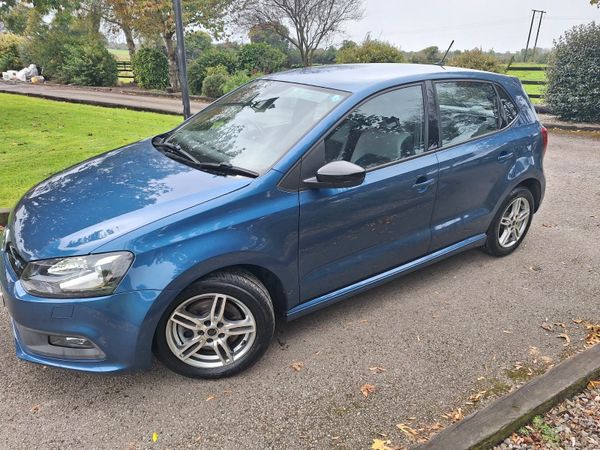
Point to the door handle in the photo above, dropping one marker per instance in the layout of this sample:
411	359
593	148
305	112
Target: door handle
505	155
423	183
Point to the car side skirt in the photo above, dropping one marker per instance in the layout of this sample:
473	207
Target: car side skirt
376	280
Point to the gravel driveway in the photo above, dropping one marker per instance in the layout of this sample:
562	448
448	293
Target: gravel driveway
436	332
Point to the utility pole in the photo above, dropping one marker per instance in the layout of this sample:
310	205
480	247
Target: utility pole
185	95
535	11
538	32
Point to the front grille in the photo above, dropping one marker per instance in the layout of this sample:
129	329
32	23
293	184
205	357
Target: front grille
16	261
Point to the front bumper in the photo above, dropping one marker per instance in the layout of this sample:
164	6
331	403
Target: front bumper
117	326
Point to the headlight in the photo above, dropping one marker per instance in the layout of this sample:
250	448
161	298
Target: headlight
77	276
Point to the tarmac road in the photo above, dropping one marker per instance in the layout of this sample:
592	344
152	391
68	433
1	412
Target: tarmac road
435	332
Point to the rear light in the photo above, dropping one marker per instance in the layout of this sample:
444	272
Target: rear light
544	140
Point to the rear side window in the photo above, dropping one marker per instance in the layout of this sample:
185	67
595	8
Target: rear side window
467	110
385	129
509	109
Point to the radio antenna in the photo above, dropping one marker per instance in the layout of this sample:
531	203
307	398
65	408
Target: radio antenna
441	63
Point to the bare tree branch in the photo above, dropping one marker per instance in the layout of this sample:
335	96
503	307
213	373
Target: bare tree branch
312	21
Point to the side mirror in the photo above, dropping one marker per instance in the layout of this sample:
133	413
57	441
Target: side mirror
337	174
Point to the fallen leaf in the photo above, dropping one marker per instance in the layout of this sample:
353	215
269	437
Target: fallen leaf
154	436
507	331
593	384
547	327
454	416
577	321
297	366
377	369
410	432
36	408
478	396
380	444
565	337
547	225
210	397
367	389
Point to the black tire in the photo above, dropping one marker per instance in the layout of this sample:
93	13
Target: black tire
493	245
240	285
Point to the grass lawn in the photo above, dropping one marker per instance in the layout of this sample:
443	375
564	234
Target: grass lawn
119	54
41	137
530	75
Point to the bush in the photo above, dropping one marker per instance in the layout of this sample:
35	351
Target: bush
573	90
9	52
370	51
90	64
476	59
213	83
237	79
261	57
210	58
150	68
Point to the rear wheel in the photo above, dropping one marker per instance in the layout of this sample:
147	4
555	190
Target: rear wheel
511	224
217	327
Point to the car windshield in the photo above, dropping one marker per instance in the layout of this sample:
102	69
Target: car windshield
256	124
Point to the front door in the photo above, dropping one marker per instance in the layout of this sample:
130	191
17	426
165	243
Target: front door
349	234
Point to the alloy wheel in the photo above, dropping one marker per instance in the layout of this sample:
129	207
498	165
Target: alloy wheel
513	223
210	330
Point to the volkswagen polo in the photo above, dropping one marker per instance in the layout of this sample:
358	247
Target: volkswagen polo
293	192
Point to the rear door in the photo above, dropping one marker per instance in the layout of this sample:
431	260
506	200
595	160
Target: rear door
475	159
349	234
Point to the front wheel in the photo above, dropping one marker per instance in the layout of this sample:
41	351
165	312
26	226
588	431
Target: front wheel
217	327
509	227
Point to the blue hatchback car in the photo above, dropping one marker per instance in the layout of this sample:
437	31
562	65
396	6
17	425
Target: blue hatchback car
291	193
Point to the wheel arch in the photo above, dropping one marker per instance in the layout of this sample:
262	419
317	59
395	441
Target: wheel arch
535	187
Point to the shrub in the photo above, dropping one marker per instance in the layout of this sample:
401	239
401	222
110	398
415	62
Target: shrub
150	68
196	42
476	59
261	57
210	58
370	51
213	83
9	51
573	90
237	79
90	64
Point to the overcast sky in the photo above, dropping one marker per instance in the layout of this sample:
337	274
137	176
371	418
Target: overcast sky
499	25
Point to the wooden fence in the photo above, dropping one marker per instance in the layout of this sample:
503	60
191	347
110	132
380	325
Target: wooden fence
125	69
529	82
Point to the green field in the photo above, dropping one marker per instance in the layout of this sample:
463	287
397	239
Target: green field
119	54
530	75
122	55
41	137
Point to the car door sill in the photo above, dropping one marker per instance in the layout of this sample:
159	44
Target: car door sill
376	280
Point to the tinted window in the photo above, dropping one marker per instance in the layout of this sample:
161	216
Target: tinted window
467	110
385	129
509	109
255	125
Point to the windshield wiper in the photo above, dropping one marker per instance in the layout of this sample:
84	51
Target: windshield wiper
176	150
221	167
227	168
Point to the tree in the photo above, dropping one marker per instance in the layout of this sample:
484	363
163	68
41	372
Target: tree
573	90
264	34
476	59
370	51
152	16
311	21
261	58
197	42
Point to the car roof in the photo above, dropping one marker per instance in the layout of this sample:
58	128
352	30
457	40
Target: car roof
356	78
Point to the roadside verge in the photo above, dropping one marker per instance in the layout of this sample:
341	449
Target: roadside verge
491	425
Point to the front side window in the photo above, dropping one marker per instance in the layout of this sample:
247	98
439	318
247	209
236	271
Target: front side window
388	128
255	125
467	110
